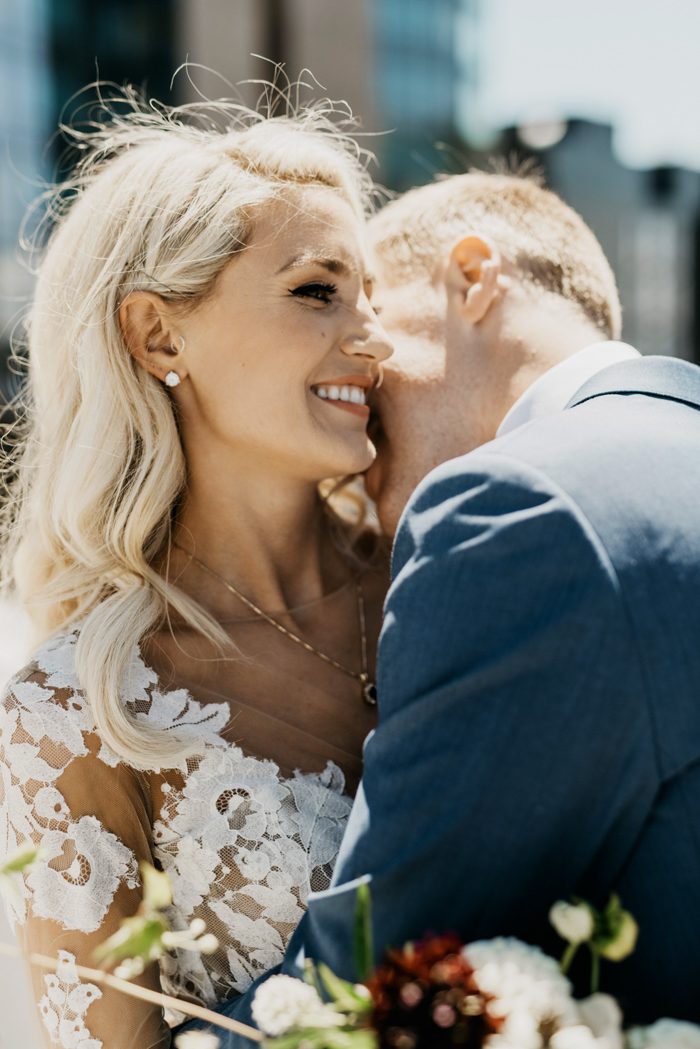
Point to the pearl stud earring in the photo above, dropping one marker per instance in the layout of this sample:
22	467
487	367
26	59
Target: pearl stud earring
172	378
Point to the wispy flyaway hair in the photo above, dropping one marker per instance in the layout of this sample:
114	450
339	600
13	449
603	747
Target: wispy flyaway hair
161	200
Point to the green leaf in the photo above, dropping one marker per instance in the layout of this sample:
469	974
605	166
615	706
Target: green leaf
157	891
310	1037
311	976
137	937
346	997
20	859
363	948
324	1038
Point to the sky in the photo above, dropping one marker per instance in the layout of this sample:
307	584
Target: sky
632	63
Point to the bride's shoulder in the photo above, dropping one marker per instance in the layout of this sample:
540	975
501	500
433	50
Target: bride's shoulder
51	666
45	701
45	693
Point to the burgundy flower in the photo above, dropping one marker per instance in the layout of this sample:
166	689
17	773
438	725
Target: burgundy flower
425	997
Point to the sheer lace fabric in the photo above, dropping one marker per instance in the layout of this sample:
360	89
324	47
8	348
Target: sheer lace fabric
243	846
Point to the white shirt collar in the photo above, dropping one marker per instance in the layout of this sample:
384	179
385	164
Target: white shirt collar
553	390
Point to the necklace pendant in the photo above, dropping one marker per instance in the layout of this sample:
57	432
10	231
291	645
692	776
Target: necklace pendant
369	690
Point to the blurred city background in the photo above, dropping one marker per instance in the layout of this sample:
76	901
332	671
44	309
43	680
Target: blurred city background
604	95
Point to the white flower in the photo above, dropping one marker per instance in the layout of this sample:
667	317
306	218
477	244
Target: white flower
578	1037
529	989
283	1003
573	922
573	1038
197	1040
665	1034
603	1015
520	1031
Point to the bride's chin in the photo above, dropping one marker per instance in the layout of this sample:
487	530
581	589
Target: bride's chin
356	461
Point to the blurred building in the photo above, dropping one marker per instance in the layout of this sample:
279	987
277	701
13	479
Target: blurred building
224	41
420	74
648	223
394	61
49	50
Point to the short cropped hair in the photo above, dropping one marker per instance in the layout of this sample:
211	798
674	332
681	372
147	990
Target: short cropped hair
535	230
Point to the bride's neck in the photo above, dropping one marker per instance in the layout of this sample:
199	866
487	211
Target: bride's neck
269	538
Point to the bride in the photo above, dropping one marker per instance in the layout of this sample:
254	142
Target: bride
201	349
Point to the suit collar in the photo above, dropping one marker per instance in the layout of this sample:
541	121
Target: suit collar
553	390
665	377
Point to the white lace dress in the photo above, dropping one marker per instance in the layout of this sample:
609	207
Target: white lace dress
242	845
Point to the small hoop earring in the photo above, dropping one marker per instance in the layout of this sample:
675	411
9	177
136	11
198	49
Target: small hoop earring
172	379
180	347
380	378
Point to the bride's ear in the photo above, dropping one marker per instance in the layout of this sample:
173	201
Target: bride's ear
149	334
474	275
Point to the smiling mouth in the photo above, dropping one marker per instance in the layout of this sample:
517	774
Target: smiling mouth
349	397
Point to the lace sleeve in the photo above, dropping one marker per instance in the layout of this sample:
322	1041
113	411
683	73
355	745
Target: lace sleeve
89	815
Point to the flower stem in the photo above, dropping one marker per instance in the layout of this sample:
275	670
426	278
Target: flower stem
595	971
198	1012
568	957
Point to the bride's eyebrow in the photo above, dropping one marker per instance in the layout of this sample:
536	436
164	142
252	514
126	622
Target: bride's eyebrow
336	266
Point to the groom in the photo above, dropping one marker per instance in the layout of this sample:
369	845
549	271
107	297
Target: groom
539	667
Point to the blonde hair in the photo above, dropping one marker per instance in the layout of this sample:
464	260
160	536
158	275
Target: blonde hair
547	240
161	199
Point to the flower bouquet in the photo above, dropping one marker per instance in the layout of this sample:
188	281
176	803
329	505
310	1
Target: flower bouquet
439	992
432	994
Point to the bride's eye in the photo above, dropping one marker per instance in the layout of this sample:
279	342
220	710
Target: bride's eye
316	290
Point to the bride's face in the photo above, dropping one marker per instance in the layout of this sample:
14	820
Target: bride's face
287	332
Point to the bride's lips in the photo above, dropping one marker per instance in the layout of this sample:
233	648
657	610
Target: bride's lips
362	382
356	409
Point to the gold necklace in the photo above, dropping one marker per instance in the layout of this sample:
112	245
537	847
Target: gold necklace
368	687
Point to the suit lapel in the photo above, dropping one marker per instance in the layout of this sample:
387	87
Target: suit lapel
665	377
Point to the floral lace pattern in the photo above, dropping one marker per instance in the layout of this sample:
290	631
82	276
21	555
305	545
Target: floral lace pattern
65	1004
242	845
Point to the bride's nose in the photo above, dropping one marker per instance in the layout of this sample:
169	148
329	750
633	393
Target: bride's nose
370	341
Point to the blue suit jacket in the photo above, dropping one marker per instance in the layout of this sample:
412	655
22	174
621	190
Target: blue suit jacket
539	684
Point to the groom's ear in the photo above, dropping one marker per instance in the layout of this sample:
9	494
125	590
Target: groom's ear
474	275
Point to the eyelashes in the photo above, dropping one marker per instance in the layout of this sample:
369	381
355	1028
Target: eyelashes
321	292
317	290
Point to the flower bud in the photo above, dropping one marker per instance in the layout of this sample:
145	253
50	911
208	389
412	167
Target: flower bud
623	941
208	944
573	922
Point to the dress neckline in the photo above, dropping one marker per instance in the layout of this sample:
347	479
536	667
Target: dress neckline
192	715
330	770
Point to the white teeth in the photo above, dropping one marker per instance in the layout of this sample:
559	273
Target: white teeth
348	394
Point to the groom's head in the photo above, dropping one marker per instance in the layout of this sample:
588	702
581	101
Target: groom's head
485	282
